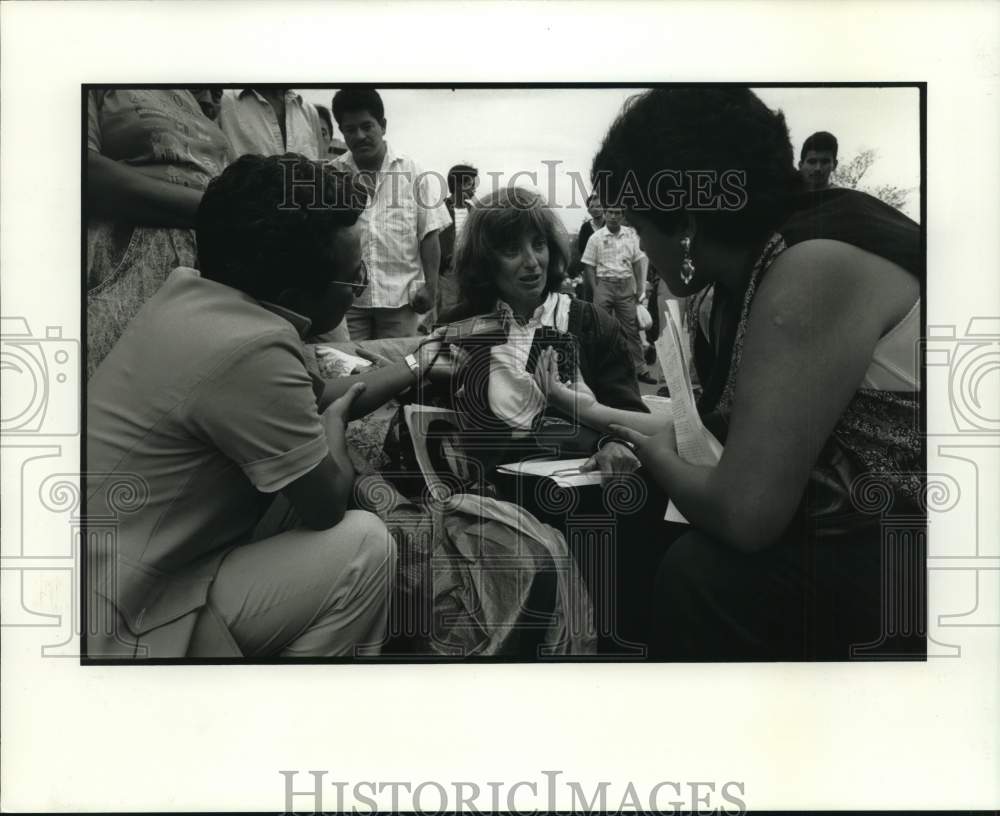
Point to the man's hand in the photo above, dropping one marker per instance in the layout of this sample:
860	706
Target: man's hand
340	408
377	360
423	299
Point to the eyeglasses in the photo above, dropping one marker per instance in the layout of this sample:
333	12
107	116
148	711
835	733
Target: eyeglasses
358	287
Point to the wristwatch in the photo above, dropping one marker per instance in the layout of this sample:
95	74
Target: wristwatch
411	361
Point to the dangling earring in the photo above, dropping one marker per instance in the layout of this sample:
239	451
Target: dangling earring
687	265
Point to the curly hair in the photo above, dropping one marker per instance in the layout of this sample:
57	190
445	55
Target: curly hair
264	224
497	219
721	151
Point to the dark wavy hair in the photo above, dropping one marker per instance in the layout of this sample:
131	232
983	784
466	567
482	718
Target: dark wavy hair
264	224
665	139
457	174
324	114
358	98
500	217
820	140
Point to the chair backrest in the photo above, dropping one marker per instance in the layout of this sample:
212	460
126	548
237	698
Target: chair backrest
435	432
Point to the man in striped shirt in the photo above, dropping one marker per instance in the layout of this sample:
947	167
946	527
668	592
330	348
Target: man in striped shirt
405	214
269	121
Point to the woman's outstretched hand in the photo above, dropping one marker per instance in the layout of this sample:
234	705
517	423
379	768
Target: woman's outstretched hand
615	461
649	448
566	397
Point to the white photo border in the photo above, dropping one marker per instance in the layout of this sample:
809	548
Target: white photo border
803	736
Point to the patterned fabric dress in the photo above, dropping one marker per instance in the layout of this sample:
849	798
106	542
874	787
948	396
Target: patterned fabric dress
165	135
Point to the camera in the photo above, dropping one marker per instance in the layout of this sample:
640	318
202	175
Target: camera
966	368
39	386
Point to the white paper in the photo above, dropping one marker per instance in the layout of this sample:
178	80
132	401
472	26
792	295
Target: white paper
558	470
695	444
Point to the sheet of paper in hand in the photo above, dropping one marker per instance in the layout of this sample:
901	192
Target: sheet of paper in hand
564	472
695	444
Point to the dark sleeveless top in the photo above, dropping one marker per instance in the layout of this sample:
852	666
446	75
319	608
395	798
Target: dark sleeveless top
874	458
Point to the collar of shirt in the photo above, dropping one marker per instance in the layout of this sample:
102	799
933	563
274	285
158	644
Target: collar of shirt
622	233
290	95
547	314
301	323
390	158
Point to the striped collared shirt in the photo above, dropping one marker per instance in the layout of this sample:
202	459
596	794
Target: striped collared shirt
407	205
612	254
251	124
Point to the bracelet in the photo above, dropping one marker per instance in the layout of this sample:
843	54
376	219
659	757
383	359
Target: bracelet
609	438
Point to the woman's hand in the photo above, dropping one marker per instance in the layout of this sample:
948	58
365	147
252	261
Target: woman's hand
115	188
562	395
614	460
583	393
650	449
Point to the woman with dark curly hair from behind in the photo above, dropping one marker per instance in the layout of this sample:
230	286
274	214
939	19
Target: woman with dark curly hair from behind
806	316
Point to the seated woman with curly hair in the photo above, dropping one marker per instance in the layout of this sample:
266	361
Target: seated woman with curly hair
510	264
806	321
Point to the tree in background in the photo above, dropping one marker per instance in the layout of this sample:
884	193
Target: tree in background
850	173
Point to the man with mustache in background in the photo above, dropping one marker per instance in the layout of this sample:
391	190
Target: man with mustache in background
818	160
400	226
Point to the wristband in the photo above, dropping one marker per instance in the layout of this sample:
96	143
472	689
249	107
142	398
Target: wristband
608	438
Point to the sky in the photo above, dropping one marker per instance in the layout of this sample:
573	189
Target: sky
553	133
